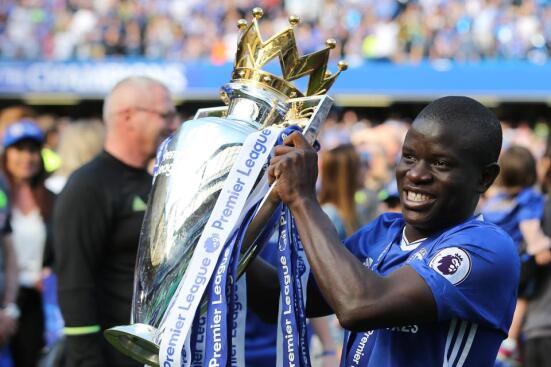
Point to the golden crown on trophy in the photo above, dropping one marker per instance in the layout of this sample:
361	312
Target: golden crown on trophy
253	53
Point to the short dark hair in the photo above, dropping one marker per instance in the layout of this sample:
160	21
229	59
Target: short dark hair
475	123
518	168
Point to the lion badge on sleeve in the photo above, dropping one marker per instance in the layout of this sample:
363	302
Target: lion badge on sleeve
453	263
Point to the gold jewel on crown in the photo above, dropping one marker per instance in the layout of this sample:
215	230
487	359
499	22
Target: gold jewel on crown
253	53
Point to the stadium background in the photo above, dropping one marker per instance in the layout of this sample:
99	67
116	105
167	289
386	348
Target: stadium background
61	56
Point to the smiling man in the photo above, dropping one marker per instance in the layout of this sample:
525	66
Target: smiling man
433	286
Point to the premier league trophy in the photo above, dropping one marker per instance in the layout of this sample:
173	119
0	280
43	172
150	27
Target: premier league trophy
195	163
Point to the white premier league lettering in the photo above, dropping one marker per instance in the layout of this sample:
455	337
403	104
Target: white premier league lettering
238	327
288	308
215	327
293	271
287	289
453	263
244	170
218	286
225	216
359	352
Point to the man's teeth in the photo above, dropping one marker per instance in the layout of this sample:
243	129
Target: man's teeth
415	196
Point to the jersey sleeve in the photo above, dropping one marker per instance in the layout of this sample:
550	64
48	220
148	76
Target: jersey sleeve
80	228
473	278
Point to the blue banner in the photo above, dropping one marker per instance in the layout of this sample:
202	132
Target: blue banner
365	83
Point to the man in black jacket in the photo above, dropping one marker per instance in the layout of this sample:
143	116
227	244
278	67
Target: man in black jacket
98	218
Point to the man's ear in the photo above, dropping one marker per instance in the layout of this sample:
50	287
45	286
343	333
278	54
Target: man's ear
488	176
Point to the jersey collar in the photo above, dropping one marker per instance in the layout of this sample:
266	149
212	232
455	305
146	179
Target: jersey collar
405	245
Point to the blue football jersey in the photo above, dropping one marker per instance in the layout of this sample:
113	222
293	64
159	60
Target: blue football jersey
472	270
507	212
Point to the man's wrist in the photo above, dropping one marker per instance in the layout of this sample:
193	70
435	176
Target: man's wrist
327	353
303	203
11	310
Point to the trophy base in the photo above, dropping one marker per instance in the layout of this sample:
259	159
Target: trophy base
135	341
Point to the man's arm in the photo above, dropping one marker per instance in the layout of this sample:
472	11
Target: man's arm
537	243
80	229
328	354
9	312
361	299
11	274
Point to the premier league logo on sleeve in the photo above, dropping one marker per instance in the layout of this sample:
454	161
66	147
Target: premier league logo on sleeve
453	264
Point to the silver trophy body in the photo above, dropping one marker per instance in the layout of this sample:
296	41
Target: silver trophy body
188	180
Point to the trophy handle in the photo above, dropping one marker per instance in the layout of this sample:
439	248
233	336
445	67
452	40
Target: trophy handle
211	112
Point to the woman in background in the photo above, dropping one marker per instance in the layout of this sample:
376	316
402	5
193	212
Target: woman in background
31	212
79	142
339	183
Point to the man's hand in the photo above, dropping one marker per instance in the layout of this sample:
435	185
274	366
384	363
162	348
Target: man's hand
8	326
543	257
295	168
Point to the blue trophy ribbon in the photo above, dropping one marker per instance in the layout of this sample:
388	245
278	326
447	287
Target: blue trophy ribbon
292	317
301	271
216	353
197	342
235	304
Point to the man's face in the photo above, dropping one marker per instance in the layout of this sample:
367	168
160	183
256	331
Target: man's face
437	178
154	120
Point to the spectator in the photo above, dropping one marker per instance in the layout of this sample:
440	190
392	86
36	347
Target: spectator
389	198
9	312
518	209
79	143
339	183
537	325
31	214
98	219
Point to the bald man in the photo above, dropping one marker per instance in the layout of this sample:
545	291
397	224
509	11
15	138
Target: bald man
98	216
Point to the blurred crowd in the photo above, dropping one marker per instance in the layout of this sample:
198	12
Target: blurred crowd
389	30
376	142
356	180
